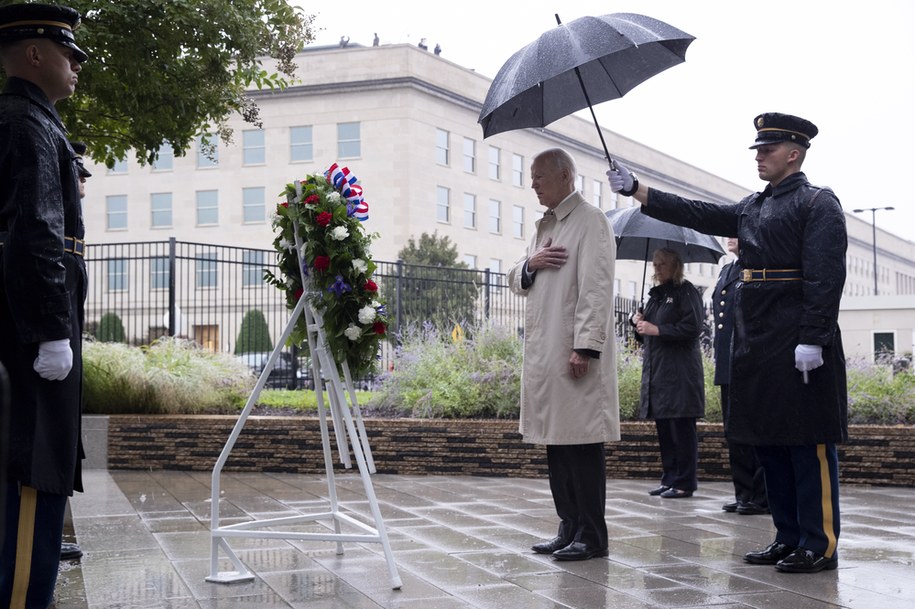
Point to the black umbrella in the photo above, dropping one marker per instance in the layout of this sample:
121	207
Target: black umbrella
577	64
638	236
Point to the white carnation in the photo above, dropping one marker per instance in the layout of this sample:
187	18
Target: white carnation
333	197
353	332
285	244
360	265
339	233
367	314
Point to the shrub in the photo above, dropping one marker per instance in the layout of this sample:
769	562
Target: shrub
877	395
169	376
254	335
110	329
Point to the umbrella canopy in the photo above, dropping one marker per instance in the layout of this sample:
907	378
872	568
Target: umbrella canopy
577	64
638	237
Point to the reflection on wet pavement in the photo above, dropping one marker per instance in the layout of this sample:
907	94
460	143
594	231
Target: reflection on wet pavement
464	542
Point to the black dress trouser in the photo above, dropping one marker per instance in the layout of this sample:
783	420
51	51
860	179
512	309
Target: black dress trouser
746	471
578	481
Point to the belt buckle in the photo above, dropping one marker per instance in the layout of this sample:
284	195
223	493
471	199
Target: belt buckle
747	275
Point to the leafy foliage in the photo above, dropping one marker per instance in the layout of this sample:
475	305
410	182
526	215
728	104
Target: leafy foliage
254	334
110	329
163	71
337	268
435	287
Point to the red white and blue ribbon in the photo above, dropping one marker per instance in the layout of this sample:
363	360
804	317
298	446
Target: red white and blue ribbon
345	182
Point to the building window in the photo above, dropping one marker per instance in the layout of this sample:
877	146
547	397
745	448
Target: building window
470	260
160	204
614	200
158	273
442	153
884	345
580	184
116	212
348	142
517	170
120	166
206	276
207	207
166	158
597	191
252	268
301	144
495	216
252	202
495	169
470	210
517	222
470	155
442	204
495	265
253	147
207	151
118	279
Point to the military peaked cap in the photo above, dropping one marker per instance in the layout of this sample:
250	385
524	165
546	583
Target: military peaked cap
57	23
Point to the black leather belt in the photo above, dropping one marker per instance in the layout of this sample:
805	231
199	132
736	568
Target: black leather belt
72	245
750	275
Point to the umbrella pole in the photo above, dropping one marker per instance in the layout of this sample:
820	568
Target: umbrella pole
584	90
644	272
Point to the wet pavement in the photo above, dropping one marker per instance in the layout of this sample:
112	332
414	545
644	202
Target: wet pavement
464	542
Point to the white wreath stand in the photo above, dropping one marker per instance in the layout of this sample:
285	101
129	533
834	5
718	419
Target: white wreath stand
349	430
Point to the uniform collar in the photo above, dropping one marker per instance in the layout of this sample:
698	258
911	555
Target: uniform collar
792	182
32	92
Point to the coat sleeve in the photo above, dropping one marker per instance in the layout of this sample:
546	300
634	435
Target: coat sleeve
707	218
596	265
823	256
33	267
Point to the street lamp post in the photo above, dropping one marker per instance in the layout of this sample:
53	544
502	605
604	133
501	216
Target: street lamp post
873	211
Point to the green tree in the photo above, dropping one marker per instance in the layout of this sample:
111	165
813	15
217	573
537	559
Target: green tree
111	329
254	335
163	71
435	287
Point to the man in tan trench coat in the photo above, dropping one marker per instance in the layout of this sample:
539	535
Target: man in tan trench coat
569	396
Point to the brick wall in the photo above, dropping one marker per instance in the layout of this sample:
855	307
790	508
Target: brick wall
874	454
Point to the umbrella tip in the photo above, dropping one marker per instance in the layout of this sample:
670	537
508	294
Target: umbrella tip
558	20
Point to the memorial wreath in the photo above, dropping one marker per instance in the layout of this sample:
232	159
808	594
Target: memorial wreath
334	261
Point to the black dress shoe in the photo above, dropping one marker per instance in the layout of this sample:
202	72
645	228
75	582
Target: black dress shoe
751	509
806	561
731	507
70	551
579	551
770	556
659	490
548	547
674	493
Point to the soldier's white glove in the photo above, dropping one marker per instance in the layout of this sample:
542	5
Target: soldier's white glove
55	359
808	357
621	179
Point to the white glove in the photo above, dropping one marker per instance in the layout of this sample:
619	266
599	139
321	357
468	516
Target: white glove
55	359
808	357
621	179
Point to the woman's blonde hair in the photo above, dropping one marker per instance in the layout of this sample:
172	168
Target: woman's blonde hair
672	257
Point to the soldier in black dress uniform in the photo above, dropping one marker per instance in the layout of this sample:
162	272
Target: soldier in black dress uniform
42	291
788	394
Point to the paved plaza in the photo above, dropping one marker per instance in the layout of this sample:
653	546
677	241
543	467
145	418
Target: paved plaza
462	542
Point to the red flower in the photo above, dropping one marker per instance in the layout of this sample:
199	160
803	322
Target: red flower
298	294
285	204
379	327
371	286
322	263
324	218
312	200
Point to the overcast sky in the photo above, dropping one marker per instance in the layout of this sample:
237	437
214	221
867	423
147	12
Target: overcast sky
847	67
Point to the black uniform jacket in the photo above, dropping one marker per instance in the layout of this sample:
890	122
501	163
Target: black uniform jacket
42	287
673	384
792	226
723	311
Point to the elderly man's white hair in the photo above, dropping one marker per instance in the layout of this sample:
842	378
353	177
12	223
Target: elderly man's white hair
560	159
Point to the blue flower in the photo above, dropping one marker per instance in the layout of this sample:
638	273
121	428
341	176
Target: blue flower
339	287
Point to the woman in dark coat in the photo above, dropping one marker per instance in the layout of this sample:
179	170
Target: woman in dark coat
673	386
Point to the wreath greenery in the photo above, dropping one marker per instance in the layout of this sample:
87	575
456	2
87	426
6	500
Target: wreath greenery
328	210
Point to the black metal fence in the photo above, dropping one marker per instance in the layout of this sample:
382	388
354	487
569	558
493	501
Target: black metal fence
144	290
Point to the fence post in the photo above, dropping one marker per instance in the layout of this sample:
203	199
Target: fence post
172	317
487	278
398	314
